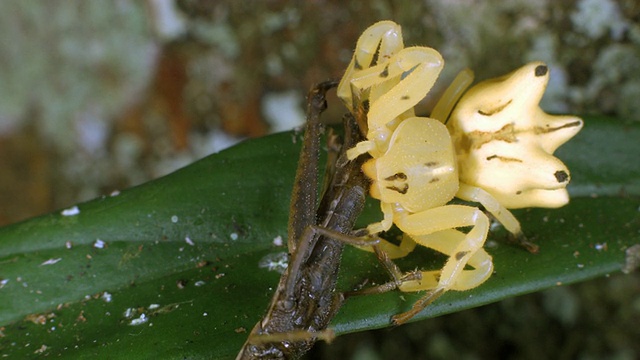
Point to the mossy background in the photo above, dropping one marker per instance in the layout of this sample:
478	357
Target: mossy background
99	96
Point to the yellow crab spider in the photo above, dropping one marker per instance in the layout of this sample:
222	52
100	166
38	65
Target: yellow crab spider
414	166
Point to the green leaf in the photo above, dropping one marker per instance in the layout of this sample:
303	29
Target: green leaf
179	277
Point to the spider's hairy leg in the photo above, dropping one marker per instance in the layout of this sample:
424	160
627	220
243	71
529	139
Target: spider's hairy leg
448	242
451	95
391	250
502	214
410	74
361	148
462	249
376	44
444	241
498	211
387	220
446	218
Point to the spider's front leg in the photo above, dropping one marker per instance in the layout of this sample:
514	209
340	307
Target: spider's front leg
395	86
376	45
388	80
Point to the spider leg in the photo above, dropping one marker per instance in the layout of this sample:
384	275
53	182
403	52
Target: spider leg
461	247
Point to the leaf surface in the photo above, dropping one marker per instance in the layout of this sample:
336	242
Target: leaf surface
178	272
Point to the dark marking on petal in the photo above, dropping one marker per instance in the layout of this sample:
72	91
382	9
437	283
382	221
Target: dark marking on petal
561	176
434	180
540	130
541	70
405	97
461	254
475	139
503	158
431	164
494	111
518	192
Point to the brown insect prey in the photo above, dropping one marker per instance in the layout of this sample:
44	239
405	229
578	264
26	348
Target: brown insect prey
305	300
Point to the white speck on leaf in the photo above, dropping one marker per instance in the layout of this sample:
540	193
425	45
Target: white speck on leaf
129	313
139	321
106	297
42	349
154	306
174	219
51	261
601	247
199	283
189	241
234	236
99	244
72	211
277	241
